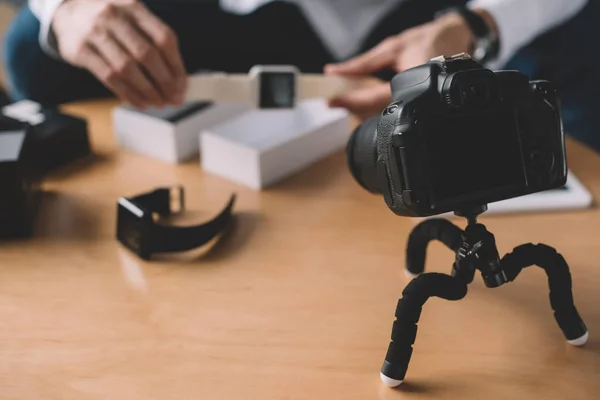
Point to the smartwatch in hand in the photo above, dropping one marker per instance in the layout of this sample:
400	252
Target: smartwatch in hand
266	86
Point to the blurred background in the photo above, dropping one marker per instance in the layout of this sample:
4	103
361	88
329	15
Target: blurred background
8	8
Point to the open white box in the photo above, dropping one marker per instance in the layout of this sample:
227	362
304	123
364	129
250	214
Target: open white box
170	134
264	146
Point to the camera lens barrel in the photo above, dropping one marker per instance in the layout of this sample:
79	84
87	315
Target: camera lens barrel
361	154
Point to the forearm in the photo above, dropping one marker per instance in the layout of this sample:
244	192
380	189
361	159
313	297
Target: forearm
518	22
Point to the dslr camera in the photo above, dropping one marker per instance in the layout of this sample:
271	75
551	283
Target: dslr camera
458	136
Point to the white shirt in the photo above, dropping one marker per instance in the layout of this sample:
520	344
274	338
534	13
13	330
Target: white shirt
344	24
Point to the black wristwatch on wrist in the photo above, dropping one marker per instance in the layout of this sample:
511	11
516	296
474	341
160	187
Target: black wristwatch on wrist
486	45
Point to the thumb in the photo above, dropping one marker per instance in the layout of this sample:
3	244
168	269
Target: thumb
365	102
380	57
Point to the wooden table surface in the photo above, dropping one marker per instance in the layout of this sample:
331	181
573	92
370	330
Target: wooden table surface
296	302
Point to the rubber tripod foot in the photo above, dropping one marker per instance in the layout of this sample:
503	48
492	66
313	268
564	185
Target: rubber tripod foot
410	275
580	341
389	382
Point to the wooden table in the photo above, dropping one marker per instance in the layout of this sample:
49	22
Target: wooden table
296	303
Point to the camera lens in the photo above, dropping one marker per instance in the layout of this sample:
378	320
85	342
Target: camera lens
361	154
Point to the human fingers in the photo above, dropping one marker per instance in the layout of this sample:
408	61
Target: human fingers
126	68
143	52
101	69
165	40
380	57
364	102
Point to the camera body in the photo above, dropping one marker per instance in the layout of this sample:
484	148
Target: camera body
458	136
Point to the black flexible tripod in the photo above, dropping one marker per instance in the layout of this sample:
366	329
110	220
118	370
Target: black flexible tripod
475	249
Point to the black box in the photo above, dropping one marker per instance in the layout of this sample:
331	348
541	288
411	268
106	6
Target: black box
20	180
59	140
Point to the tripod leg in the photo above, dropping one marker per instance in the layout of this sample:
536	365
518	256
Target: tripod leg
408	312
559	281
432	229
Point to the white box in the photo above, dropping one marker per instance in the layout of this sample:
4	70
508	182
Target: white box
170	134
262	147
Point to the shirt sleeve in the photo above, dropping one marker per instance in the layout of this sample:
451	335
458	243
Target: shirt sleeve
519	22
44	11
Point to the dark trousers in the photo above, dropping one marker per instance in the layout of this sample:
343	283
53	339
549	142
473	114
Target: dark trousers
278	33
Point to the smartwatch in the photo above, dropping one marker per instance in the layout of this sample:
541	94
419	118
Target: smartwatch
274	86
138	231
265	86
486	45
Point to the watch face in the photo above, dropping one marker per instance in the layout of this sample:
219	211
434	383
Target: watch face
133	231
277	90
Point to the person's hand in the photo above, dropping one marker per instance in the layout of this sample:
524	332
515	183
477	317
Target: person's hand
447	35
125	46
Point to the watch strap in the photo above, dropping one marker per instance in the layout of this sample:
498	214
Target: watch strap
220	87
312	86
476	23
166	239
159	201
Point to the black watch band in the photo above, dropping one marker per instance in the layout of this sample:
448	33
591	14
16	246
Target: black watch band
486	45
137	230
